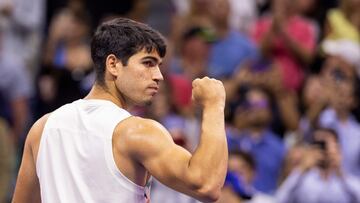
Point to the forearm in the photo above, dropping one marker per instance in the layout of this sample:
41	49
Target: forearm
289	113
302	54
266	43
210	158
313	113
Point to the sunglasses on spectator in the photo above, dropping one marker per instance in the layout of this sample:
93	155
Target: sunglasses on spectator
260	104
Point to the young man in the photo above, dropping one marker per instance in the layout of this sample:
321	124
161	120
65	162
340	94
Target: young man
93	150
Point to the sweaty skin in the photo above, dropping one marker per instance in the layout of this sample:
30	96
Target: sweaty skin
143	147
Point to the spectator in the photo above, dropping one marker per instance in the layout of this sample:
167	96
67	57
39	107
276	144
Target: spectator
231	48
341	58
319	176
338	117
263	73
288	39
238	184
315	98
21	26
252	118
15	92
194	13
194	53
66	60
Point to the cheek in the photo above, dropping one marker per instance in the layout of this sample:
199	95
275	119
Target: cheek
132	84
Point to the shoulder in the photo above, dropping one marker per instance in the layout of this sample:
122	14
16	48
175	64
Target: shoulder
138	125
135	132
38	126
34	135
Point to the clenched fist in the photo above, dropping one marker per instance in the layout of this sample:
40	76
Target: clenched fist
208	92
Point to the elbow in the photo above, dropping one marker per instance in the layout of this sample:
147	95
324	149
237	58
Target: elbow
210	194
207	187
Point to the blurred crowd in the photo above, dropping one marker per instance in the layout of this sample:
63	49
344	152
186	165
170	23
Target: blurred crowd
291	71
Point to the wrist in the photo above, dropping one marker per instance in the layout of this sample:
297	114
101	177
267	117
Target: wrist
214	105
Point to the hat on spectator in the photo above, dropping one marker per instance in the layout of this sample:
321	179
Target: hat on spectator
205	34
346	49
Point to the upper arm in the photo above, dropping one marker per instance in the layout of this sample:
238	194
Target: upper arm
27	185
151	145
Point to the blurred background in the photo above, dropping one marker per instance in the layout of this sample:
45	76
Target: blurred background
291	70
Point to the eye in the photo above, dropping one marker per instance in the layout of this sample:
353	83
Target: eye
149	64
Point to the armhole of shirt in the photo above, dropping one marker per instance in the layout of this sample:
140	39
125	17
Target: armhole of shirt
42	138
114	170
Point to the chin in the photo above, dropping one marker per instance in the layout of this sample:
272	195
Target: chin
144	102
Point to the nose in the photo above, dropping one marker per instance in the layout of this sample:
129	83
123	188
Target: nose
157	75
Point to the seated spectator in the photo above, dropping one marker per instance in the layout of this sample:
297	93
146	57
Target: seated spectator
238	184
288	39
319	176
231	48
252	118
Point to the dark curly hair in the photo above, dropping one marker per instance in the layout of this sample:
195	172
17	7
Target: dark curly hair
123	38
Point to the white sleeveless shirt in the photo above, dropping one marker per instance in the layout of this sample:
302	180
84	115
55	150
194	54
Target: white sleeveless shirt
75	162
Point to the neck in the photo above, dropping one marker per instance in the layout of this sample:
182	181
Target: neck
256	132
106	92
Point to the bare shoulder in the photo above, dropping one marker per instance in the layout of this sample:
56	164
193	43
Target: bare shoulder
34	135
139	134
137	126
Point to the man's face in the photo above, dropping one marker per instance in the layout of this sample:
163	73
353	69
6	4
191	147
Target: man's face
138	81
238	165
255	111
220	11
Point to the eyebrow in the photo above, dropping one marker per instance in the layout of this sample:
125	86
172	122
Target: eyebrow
152	58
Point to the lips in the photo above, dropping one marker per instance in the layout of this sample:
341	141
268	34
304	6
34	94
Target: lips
154	89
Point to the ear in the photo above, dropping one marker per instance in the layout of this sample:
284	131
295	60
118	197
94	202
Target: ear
112	65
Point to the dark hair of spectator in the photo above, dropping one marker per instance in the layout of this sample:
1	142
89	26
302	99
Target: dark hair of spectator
123	38
329	130
245	156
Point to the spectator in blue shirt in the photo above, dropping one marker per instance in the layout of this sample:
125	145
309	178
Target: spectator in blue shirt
231	48
252	119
